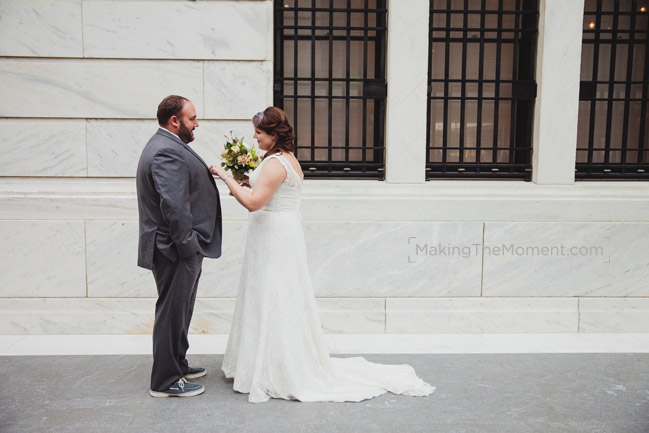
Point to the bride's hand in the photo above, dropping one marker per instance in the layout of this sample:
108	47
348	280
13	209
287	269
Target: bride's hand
219	171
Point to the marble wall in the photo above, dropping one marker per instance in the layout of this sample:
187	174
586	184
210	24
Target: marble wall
73	270
80	83
150	29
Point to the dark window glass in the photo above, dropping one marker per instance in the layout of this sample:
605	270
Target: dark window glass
613	135
481	88
330	80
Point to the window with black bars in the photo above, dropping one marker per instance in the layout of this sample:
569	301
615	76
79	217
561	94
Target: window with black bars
481	88
613	135
330	79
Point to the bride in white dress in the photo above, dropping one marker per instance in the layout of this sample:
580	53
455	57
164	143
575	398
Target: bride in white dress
276	346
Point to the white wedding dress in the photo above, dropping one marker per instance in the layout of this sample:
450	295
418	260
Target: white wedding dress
276	346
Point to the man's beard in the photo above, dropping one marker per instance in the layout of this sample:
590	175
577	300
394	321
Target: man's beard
185	134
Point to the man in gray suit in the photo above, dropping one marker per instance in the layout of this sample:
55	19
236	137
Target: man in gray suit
180	223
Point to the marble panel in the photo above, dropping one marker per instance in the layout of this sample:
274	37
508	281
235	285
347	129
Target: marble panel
96	316
95	88
614	315
370	263
113	270
220	277
338	316
352	315
237	90
114	146
111	251
480	315
212	316
358	259
231	30
566	259
103	316
42	147
42	259
41	28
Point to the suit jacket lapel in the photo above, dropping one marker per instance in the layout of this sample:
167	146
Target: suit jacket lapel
179	141
195	154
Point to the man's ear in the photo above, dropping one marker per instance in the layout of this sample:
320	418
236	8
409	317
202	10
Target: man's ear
173	120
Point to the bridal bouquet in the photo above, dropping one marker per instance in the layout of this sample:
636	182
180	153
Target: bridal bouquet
238	158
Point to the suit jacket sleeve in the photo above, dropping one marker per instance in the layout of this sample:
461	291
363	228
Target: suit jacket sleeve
171	178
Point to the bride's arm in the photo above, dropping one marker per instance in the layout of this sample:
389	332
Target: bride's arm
271	177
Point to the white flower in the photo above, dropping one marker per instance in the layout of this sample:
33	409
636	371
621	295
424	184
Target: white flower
242	159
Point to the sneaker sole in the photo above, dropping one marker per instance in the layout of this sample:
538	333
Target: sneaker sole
161	394
195	375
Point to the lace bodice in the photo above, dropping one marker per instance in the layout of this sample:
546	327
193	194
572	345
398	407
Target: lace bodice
289	194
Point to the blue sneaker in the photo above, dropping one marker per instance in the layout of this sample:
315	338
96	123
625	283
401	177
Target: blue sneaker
182	388
195	373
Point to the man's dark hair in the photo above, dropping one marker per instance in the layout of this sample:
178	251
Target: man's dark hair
170	106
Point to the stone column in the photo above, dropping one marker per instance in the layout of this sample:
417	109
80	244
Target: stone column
407	75
558	66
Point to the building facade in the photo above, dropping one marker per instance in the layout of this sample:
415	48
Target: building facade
473	165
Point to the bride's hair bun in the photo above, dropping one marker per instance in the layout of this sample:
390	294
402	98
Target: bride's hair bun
273	121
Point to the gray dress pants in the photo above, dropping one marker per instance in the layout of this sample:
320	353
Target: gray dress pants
177	282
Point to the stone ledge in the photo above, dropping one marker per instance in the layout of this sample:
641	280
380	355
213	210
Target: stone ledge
481	315
91	316
121	316
613	315
352	200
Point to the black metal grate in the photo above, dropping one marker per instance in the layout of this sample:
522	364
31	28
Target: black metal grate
330	79
482	88
613	133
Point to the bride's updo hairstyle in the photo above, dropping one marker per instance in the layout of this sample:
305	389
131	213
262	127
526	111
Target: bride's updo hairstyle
273	121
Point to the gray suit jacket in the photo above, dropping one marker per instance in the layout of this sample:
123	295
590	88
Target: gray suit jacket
178	202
